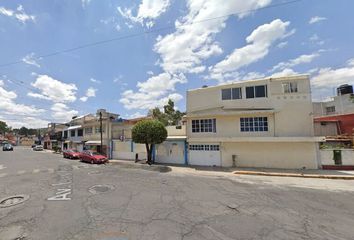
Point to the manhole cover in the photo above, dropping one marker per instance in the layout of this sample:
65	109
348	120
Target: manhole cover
13	200
100	189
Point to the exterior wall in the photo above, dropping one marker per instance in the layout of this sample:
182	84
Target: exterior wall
346	122
326	157
292	111
289	115
326	129
270	155
128	150
174	131
170	152
343	105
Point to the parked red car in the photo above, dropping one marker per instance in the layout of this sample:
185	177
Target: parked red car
71	153
93	157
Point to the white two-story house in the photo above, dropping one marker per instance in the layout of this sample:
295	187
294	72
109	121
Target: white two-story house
259	123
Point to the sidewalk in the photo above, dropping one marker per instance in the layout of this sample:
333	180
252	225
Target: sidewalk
316	173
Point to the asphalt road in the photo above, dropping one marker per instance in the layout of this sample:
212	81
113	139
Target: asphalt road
142	204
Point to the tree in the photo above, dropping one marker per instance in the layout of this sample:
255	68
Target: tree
149	132
170	116
23	131
4	128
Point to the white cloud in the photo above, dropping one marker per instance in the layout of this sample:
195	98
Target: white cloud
284	73
316	19
305	58
29	122
18	14
327	79
184	50
111	21
54	90
84	3
62	113
31	60
258	45
94	80
91	92
316	39
148	11
193	41
9	106
282	44
151	92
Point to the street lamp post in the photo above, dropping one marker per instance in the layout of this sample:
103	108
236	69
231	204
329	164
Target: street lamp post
101	150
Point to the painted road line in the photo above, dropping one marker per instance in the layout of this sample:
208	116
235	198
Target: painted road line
21	172
50	170
2	167
3	174
36	171
64	186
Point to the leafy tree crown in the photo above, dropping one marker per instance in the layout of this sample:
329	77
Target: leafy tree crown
149	131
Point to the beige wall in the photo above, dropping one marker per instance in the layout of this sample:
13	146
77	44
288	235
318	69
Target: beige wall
343	104
292	115
270	155
173	131
327	157
326	129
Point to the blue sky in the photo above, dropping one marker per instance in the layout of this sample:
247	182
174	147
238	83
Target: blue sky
202	42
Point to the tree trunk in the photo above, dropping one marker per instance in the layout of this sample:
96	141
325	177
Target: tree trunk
148	152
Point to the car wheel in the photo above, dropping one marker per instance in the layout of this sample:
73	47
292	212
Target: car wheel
92	162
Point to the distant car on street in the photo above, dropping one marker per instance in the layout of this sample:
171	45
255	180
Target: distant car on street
71	154
38	148
7	147
33	145
92	157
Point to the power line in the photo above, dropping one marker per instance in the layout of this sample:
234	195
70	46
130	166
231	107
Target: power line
145	32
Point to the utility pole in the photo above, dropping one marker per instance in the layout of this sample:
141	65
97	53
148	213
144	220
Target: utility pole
101	150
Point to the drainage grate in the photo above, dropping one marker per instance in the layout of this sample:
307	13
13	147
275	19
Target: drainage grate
100	189
13	200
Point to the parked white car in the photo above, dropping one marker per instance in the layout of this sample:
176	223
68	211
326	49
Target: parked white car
38	148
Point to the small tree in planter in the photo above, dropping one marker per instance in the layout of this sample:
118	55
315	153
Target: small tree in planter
149	132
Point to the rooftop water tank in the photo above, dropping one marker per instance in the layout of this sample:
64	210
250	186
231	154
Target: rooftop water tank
344	89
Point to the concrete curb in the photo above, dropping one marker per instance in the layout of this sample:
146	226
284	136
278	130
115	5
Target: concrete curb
274	174
133	165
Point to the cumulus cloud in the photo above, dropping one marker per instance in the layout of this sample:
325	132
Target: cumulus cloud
148	11
151	92
19	14
91	92
284	73
184	50
54	90
62	113
258	45
316	19
8	104
29	122
305	58
327	79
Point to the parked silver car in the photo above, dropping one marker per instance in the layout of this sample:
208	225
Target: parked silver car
38	148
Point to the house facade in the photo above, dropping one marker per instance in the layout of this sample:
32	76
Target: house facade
261	123
335	117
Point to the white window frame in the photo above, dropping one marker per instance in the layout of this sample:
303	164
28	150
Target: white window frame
254	124
204	125
231	93
289	87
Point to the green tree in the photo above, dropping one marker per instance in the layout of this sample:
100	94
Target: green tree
149	132
23	131
4	128
170	116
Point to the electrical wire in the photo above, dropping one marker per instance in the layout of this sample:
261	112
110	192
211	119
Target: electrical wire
93	44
